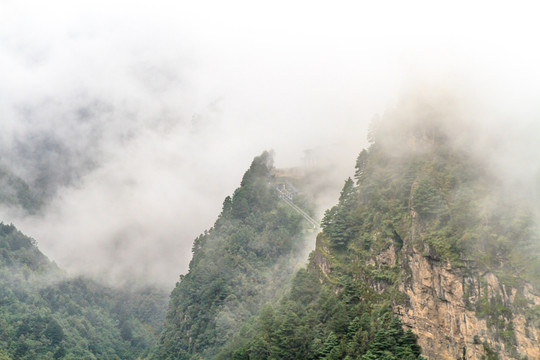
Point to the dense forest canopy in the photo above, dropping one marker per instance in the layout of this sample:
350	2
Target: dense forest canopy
44	314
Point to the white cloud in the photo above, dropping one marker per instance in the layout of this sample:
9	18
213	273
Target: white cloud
117	83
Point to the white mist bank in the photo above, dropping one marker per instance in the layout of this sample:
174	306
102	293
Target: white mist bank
142	118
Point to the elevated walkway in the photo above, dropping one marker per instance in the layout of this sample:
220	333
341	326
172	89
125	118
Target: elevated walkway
287	197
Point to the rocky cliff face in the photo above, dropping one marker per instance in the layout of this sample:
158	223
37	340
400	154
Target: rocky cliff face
457	314
462	313
442	313
461	309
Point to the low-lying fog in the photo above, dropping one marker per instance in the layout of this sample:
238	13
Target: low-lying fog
133	122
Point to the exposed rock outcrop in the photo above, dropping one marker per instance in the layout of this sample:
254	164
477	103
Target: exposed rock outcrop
441	311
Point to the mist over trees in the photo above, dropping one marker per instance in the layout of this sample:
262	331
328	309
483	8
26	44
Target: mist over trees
431	198
243	261
416	191
44	314
126	126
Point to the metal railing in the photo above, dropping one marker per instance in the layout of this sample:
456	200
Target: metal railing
287	197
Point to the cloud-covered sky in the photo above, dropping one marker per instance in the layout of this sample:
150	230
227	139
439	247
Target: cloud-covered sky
142	116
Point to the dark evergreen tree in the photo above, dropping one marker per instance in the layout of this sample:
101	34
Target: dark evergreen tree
361	166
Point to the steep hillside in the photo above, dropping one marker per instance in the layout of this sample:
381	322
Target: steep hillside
46	315
242	262
425	236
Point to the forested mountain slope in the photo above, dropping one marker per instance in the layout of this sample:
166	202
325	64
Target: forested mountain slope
46	315
241	263
426	236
